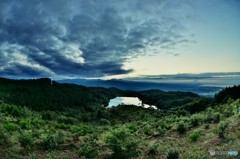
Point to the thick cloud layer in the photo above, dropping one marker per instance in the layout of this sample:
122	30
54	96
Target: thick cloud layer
84	38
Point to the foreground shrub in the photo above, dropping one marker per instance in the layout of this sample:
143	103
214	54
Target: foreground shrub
32	156
153	149
49	142
4	137
148	130
80	130
132	128
162	125
25	123
37	122
52	141
88	150
173	154
207	126
196	119
11	127
12	153
62	126
123	143
195	135
181	127
222	128
209	115
161	131
26	140
216	117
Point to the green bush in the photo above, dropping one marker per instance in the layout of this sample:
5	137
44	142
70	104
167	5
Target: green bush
11	126
173	154
25	123
51	156
32	156
80	130
162	124
26	140
161	131
104	122
153	149
13	153
36	133
123	143
62	126
13	110
52	141
195	135
148	130
195	120
61	137
37	122
229	112
132	128
206	126
85	117
88	150
222	128
181	127
216	117
4	137
49	142
209	115
66	119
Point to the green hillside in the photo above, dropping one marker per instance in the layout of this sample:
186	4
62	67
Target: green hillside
40	119
44	94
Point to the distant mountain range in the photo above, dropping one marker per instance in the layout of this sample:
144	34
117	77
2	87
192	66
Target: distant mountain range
206	84
141	85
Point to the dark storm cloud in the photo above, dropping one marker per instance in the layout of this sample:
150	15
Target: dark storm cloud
83	38
15	69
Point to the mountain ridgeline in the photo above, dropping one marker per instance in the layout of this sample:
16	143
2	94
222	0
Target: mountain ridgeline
45	94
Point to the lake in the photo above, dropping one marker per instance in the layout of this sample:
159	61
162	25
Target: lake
129	101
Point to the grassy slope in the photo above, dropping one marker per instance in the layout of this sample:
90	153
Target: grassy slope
28	134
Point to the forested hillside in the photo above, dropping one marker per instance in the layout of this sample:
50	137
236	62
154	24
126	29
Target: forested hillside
229	92
45	94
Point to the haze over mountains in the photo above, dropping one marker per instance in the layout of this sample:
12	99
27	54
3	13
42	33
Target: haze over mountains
204	83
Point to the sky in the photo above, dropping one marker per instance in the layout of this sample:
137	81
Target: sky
118	39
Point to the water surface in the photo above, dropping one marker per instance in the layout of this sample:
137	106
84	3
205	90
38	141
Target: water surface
135	101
